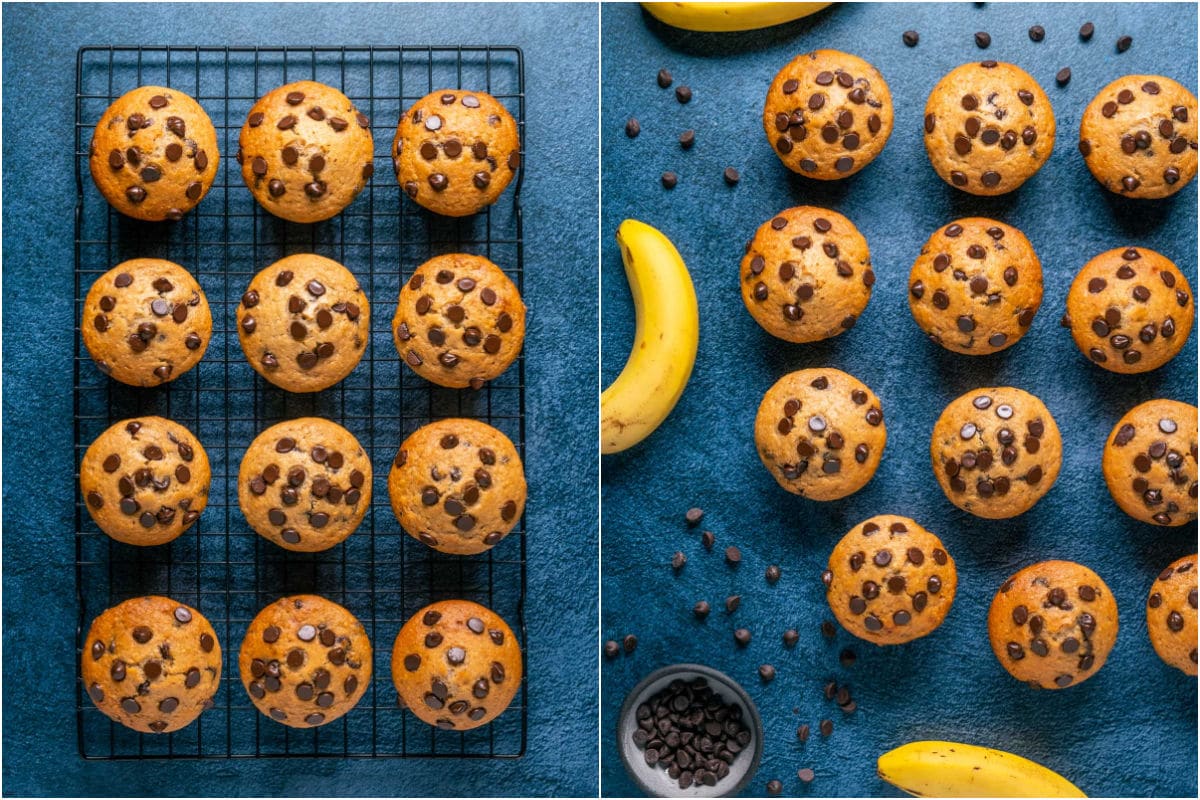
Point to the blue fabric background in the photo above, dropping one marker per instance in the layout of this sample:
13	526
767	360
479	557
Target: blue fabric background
39	611
1130	730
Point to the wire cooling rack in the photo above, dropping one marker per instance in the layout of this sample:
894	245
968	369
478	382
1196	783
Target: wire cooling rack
220	566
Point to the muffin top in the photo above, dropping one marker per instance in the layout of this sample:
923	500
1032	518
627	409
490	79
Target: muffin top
456	151
154	154
306	151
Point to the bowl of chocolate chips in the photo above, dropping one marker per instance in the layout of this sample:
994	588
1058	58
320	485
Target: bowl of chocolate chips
690	731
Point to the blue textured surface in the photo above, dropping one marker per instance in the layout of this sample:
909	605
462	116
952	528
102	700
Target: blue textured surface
39	609
1131	729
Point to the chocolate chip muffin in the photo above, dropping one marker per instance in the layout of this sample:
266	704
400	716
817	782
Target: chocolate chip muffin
1138	136
460	321
456	151
1171	614
890	581
456	665
827	114
304	323
458	486
1053	624
152	664
820	433
306	151
976	286
1150	463
988	127
996	451
146	322
154	154
145	480
305	484
1130	310
807	274
305	661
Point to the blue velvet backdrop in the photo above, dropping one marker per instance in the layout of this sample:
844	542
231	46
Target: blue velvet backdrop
1131	730
40	43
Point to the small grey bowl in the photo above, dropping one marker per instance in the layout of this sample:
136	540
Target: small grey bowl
654	780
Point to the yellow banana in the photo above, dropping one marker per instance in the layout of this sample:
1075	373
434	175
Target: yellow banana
664	346
715	17
950	769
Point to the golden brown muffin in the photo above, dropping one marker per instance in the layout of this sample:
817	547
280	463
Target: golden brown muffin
1171	615
1150	463
1130	310
807	274
460	321
145	480
996	451
827	114
1138	136
988	127
154	154
976	286
146	322
304	323
890	581
152	664
306	151
456	151
305	484
457	485
1053	624
820	433
456	665
305	661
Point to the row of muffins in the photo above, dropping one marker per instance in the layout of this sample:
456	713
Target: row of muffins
1051	625
988	126
974	288
995	451
456	485
304	322
154	664
305	152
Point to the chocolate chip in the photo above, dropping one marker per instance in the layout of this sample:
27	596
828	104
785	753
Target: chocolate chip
910	38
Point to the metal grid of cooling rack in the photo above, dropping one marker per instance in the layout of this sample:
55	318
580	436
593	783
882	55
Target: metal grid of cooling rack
220	566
